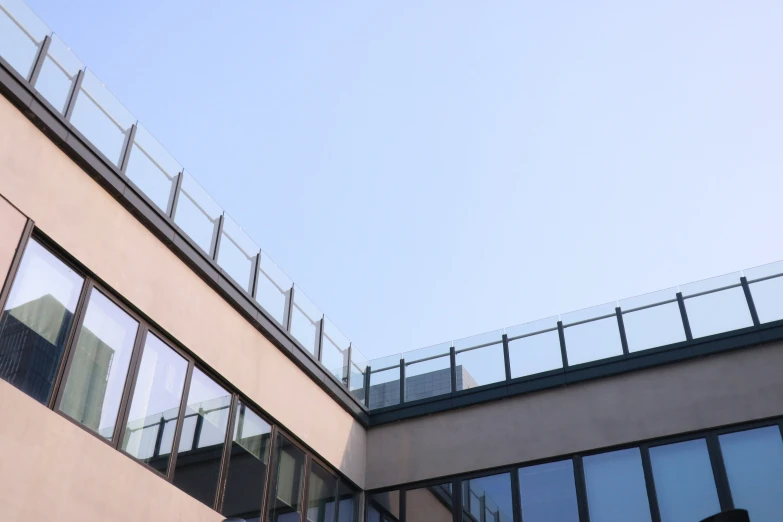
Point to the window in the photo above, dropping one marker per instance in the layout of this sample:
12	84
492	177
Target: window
154	408
98	369
36	321
430	504
247	466
487	499
684	483
616	490
754	465
203	437
348	503
547	492
383	507
321	491
285	497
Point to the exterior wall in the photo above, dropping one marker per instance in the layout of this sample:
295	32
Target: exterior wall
11	228
53	470
89	224
718	390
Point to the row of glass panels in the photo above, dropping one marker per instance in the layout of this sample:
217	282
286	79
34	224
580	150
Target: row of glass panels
616	488
76	93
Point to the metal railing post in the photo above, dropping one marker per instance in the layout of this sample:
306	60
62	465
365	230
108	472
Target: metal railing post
216	236
684	315
367	373
749	298
289	308
402	380
171	207
621	327
198	428
347	364
77	87
253	288
130	137
159	436
43	51
563	352
319	338
453	366
506	357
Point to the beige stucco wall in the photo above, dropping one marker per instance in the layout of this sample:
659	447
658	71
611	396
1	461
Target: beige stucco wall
86	221
722	389
11	227
50	469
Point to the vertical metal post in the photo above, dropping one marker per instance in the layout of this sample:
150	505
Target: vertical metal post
198	428
621	327
506	357
402	380
652	496
749	298
348	353
563	352
453	367
684	314
719	472
225	458
456	501
130	137
158	436
403	507
217	234
319	338
171	208
516	496
581	490
289	308
367	373
77	87
39	60
253	288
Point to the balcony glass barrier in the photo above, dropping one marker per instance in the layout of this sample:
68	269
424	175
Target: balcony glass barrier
480	360
534	347
334	351
385	381
358	368
592	334
427	372
197	214
151	168
101	118
273	289
58	74
716	305
237	253
766	287
306	321
652	320
21	35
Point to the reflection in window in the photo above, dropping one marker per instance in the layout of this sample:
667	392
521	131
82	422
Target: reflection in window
247	466
99	368
149	432
487	499
285	497
321	490
348	503
616	490
547	492
754	465
430	504
383	507
36	320
203	437
684	483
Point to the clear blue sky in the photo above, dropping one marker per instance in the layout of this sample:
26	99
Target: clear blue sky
429	170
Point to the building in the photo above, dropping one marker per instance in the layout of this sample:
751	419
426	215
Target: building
155	364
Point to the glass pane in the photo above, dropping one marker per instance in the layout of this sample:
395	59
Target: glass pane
684	483
285	496
547	493
385	381
58	74
768	299
385	505
97	374
152	168
616	490
36	321
768	270
718	312
651	327
358	368
149	432
480	366
432	504
21	33
586	314
533	327
197	214
304	321
754	464
203	438
334	351
321	490
535	354
592	341
247	466
272	289
427	372
713	283
653	298
237	253
490	495
349	503
101	118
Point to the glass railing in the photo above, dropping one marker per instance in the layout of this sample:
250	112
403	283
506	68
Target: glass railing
599	334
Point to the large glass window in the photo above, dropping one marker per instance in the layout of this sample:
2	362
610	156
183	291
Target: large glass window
684	483
321	490
383	507
99	367
154	409
203	438
547	492
754	465
36	321
247	466
348	503
430	504
285	497
616	490
487	499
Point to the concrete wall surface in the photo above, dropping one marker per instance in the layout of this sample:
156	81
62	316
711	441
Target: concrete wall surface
723	389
